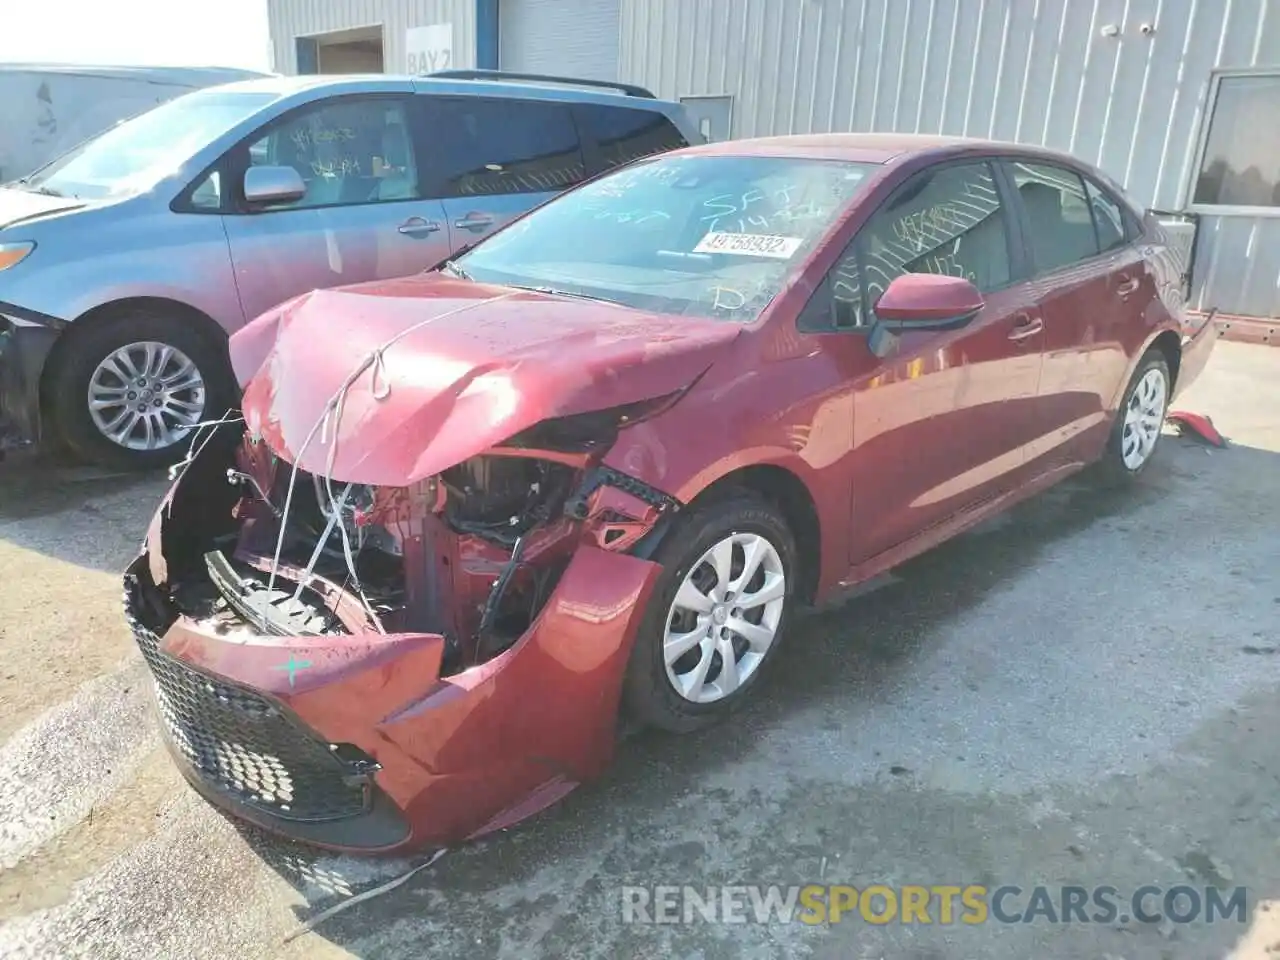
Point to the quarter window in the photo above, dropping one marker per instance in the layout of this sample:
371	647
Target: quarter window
1239	166
948	220
1107	218
347	152
487	147
623	134
1058	214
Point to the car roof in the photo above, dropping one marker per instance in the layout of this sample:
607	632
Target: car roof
282	86
865	147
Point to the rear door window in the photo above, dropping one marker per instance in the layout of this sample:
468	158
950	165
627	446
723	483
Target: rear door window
1059	220
617	135
1107	217
482	147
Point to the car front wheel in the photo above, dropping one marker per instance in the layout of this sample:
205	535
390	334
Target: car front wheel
128	391
716	617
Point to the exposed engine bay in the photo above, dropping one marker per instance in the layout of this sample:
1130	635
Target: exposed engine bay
472	554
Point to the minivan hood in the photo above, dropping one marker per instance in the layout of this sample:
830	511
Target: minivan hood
474	365
21	206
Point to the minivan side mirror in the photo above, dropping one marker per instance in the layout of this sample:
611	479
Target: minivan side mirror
265	185
922	301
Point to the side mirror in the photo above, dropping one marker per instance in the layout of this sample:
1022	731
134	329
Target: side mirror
265	185
922	301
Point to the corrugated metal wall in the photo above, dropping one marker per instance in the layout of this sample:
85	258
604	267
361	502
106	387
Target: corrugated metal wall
290	19
1037	71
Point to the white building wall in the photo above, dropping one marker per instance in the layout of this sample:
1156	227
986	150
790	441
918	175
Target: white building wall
290	19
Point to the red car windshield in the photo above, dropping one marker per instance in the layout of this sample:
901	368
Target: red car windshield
708	236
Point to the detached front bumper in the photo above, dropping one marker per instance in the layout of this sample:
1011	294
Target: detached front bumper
24	347
357	743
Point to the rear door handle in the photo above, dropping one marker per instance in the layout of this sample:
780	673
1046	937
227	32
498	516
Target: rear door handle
1027	327
1127	287
416	226
473	222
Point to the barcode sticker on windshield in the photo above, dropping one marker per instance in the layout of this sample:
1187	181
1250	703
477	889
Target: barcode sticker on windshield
749	245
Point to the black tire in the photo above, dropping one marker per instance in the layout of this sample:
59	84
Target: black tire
67	386
1112	470
648	694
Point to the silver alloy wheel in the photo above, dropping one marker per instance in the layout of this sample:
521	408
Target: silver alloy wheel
146	396
1143	419
724	618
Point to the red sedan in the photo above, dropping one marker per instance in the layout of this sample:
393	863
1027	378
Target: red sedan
594	464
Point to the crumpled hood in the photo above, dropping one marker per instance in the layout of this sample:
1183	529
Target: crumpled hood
474	365
18	206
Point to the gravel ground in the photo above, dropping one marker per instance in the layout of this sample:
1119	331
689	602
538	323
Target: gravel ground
1082	692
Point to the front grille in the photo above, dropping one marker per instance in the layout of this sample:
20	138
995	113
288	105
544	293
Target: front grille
244	744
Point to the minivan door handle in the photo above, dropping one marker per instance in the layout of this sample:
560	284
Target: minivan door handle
1028	326
474	221
416	226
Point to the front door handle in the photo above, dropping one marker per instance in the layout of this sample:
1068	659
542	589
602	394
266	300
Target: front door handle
1027	327
416	226
473	221
1127	287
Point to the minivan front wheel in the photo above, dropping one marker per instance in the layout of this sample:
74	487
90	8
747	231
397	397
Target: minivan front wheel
128	391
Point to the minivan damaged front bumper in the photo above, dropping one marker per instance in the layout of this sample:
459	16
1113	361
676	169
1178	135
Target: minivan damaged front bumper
357	742
24	346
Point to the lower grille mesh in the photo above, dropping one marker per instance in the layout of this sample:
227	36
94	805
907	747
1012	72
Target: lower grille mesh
243	744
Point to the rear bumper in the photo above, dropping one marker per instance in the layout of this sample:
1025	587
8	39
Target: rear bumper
1200	334
24	347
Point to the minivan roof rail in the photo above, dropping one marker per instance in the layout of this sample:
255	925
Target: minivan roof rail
631	90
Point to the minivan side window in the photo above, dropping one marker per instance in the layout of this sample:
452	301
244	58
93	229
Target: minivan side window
623	134
486	147
348	151
944	220
1058	214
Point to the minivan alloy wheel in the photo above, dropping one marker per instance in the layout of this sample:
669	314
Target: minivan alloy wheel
724	618
146	396
1143	418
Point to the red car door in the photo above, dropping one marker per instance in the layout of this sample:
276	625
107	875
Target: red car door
1088	280
944	422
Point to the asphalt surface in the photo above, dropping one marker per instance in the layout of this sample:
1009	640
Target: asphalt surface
1082	692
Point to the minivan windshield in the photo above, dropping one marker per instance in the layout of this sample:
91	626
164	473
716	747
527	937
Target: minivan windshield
134	155
695	235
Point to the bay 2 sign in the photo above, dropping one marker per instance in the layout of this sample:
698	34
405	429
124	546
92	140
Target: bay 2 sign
429	49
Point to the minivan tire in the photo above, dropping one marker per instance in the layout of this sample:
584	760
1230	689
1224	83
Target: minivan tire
68	382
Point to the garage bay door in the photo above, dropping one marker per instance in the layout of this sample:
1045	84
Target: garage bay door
576	38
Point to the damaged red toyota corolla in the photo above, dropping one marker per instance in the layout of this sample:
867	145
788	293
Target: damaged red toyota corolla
594	464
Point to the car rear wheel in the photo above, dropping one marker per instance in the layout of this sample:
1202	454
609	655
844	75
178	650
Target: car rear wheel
127	392
1139	421
716	616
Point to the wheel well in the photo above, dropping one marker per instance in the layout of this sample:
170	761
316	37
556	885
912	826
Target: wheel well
789	493
204	324
1170	345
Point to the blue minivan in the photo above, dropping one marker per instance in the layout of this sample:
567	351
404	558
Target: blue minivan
125	263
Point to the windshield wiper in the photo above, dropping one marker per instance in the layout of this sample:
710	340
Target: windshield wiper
457	271
568	293
47	191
